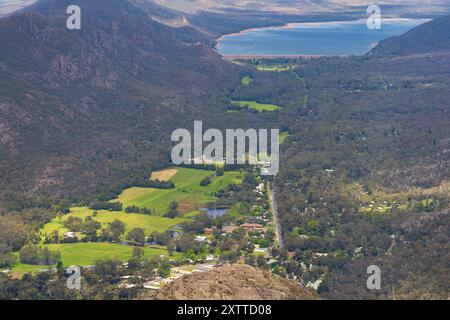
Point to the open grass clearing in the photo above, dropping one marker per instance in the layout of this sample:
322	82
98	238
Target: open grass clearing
85	254
283	136
149	223
246	80
273	68
257	106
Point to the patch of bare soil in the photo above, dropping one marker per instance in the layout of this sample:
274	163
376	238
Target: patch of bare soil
163	175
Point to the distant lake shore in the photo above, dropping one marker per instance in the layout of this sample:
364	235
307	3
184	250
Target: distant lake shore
310	39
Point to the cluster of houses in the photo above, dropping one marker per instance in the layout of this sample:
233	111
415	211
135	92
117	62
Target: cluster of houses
175	273
231	228
205	160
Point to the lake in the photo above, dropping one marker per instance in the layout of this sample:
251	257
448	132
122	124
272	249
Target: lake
316	38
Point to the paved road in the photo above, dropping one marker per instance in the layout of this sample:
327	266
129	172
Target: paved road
274	207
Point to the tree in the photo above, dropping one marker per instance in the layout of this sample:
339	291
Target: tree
90	228
173	205
107	269
74	224
250	260
134	263
136	235
250	179
13	232
205	181
6	257
132	209
164	268
138	252
220	171
116	229
248	247
261	262
161	238
173	210
55	236
38	256
186	242
105	205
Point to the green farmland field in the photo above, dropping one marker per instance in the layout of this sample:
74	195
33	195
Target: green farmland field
187	192
85	254
132	220
257	106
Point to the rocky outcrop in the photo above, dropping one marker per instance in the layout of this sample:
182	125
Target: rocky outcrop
232	282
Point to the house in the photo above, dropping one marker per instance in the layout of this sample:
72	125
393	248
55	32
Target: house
260	187
153	285
92	267
208	231
253	227
258	249
271	261
175	233
229	229
200	238
69	235
130	277
320	254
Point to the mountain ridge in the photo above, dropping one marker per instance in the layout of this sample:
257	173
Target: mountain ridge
431	37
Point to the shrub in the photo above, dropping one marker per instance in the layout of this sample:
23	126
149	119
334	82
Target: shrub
205	181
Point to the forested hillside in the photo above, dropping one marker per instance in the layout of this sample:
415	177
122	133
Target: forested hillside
432	37
365	178
72	101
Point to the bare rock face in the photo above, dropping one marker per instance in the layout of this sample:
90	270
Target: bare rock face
233	282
